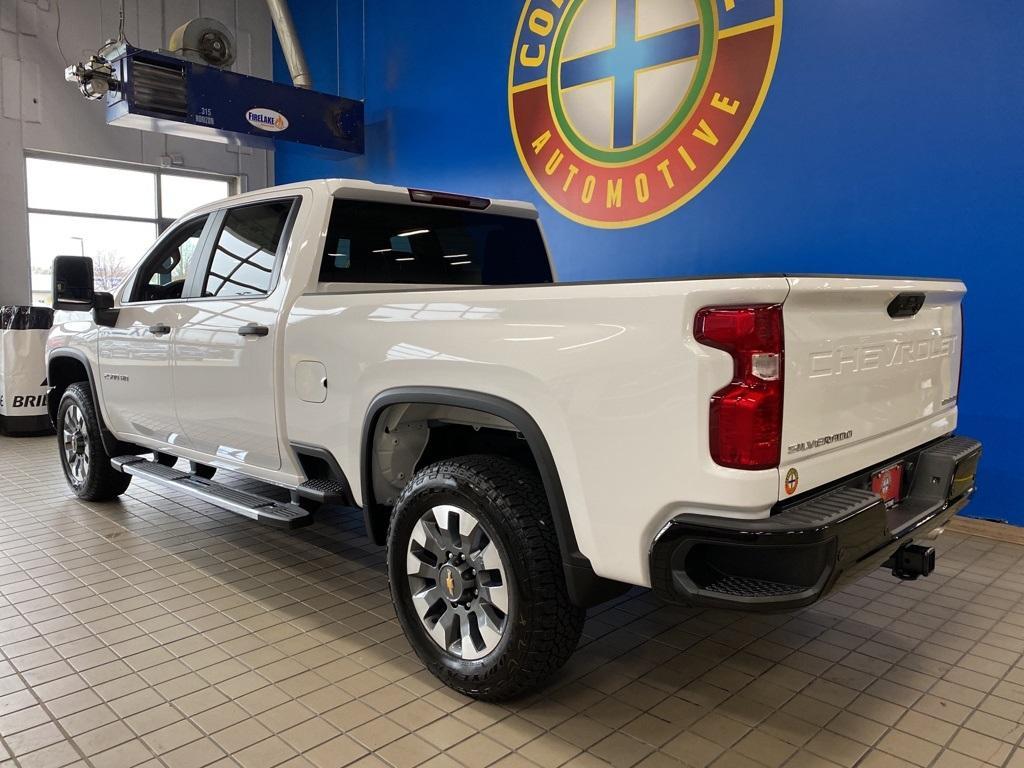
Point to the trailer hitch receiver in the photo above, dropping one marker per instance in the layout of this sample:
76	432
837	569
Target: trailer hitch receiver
911	561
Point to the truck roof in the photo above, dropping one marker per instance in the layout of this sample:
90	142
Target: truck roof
360	189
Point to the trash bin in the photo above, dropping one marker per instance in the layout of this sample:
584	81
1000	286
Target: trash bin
23	385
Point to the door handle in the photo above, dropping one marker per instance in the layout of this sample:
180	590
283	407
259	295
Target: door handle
159	329
251	329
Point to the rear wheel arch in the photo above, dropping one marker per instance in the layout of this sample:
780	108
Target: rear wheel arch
500	415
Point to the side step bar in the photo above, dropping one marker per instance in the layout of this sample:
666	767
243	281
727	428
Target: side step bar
258	508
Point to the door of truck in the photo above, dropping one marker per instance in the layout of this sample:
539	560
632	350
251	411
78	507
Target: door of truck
135	355
225	364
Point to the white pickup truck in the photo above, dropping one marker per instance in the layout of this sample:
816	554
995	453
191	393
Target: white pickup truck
525	448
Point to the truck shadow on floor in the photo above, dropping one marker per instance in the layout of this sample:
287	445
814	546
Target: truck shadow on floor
639	631
856	672
305	616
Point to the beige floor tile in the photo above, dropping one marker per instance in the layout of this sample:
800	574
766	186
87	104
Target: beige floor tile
837	748
621	750
196	754
33	738
765	748
220	717
265	754
477	751
309	734
979	746
877	759
549	750
378	732
177	626
909	748
581	731
53	756
127	755
694	749
339	751
103	738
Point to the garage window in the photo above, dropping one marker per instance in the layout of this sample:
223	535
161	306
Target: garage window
109	212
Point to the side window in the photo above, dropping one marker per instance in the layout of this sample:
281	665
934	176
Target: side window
245	253
162	276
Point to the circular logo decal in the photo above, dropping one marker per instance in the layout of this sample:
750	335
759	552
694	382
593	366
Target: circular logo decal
266	119
792	481
623	110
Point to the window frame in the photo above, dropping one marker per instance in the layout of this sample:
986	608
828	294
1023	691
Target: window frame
128	289
194	283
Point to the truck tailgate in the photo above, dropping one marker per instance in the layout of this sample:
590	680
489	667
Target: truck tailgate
862	385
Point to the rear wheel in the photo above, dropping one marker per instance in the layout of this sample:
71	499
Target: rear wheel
476	577
85	461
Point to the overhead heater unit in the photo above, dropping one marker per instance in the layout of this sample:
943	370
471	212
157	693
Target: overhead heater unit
180	95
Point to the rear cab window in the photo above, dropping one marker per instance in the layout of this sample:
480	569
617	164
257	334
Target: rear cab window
372	242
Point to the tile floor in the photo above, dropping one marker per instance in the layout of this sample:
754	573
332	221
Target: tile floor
165	632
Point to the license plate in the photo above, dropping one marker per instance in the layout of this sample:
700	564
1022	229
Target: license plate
888	483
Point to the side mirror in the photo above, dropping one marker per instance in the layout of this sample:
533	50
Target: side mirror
103	312
72	283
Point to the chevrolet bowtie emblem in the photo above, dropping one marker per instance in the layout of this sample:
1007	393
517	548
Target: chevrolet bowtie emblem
449	583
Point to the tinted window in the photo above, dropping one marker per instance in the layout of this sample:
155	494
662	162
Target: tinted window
393	243
163	275
246	250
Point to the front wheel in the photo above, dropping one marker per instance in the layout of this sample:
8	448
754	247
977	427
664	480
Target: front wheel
476	577
85	461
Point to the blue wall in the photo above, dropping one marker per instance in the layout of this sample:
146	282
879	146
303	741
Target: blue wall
890	143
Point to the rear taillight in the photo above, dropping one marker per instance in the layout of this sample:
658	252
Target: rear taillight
746	414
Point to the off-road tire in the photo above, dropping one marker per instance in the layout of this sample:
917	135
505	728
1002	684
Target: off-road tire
543	626
101	481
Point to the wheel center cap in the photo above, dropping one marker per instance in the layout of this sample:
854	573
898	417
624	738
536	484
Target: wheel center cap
78	443
452	583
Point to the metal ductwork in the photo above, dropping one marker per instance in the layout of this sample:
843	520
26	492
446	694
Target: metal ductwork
290	45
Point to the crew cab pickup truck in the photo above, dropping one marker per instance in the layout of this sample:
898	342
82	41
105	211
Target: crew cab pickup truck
525	448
